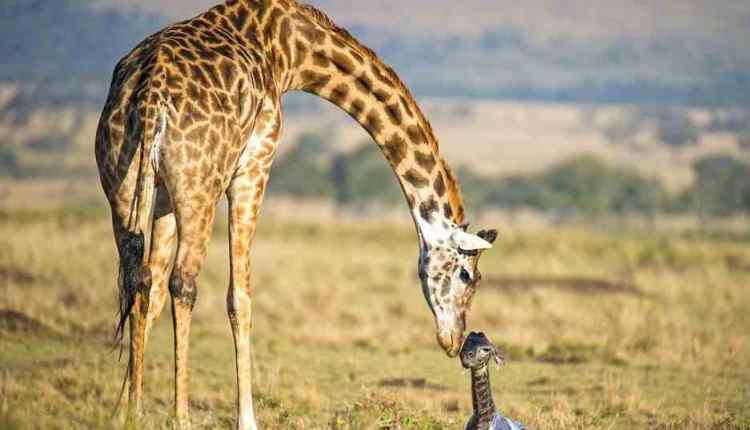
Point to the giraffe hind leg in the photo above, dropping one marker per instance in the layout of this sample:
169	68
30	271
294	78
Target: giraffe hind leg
163	239
150	294
194	225
130	247
143	289
245	196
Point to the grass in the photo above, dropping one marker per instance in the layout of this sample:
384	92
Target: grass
603	330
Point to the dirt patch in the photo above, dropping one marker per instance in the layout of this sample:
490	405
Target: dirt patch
58	363
539	381
579	285
737	263
568	354
18	322
16	276
577	353
418	383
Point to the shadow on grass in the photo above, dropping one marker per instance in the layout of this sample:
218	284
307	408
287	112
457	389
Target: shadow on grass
17	322
580	285
418	383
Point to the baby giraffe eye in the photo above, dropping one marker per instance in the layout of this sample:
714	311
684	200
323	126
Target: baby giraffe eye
465	276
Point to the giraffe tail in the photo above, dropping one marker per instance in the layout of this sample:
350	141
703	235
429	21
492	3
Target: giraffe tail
135	249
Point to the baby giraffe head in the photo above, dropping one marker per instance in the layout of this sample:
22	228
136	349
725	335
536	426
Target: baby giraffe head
478	350
450	276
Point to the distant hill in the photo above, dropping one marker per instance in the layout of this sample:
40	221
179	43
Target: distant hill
69	47
712	20
63	50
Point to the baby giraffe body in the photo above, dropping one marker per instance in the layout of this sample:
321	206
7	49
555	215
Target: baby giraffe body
476	354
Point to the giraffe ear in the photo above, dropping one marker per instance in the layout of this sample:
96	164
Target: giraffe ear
469	242
488	235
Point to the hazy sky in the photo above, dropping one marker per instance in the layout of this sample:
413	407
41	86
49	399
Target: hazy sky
717	20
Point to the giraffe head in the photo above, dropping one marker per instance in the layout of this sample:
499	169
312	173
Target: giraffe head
478	350
450	276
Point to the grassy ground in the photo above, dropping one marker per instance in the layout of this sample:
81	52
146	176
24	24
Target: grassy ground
603	330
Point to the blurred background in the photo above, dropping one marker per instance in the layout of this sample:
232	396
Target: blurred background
608	141
556	110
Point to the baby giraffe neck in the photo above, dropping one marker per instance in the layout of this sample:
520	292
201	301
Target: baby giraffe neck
481	396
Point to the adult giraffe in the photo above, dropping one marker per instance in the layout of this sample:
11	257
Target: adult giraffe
194	111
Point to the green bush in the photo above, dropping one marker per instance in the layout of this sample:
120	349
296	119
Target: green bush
623	129
363	177
743	141
677	129
585	185
475	188
721	187
303	171
8	162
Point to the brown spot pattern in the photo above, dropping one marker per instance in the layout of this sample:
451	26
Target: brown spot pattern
425	161
373	123
213	75
439	185
395	149
415	178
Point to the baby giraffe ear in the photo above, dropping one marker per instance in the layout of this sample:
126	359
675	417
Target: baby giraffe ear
469	242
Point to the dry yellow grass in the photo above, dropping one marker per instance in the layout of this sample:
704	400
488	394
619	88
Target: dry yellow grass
344	339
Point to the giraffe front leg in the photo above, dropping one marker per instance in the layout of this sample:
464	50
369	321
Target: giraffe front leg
244	197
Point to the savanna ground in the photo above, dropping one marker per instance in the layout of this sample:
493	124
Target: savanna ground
604	328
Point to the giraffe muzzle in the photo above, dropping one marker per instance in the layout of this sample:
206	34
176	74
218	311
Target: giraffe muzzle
451	341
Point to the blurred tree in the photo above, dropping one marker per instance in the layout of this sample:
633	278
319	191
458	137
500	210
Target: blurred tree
475	188
521	192
364	177
623	129
303	170
585	185
721	187
743	142
340	178
8	162
677	129
732	121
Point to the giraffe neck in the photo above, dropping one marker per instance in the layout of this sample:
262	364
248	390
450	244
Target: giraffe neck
307	52
481	396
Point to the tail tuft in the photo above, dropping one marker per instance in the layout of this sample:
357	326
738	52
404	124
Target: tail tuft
131	260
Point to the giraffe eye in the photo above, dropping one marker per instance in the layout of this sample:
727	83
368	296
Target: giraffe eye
465	276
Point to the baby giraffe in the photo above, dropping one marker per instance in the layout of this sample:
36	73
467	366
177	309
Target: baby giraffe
476	354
